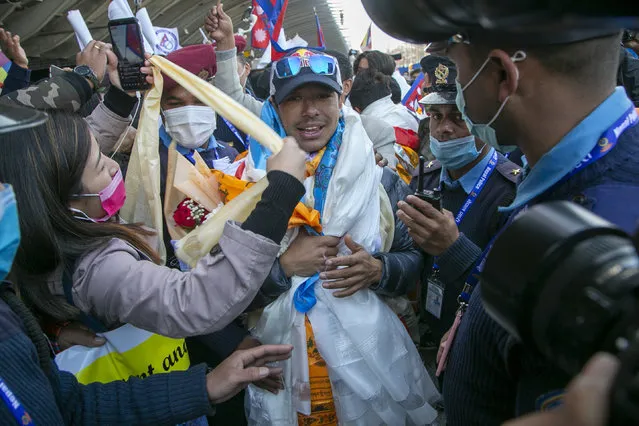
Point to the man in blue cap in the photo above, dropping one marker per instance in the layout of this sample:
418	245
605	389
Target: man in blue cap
343	185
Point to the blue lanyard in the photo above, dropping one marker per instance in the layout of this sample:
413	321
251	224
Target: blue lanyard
12	403
472	197
606	143
189	156
479	186
236	133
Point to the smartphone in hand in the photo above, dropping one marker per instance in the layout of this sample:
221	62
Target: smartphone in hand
128	45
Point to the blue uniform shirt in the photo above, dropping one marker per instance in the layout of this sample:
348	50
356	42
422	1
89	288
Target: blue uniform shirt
569	152
469	180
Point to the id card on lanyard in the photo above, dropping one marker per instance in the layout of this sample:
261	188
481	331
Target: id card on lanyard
435	292
605	144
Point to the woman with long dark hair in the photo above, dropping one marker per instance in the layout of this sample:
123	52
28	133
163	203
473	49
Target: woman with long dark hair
69	195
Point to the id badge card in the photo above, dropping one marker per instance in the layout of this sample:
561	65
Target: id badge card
435	296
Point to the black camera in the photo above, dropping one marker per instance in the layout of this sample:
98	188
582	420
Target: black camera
566	283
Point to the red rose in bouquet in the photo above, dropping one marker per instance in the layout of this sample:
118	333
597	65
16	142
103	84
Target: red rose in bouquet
189	214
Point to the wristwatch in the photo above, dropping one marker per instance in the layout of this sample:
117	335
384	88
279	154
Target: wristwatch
86	72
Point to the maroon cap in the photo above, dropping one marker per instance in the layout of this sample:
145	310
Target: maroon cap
240	43
198	59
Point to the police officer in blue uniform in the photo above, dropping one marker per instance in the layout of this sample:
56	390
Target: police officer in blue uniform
474	180
586	151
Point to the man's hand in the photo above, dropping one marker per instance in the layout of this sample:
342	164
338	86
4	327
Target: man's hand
432	230
242	368
10	46
78	334
307	255
220	28
362	270
270	384
585	402
381	161
94	56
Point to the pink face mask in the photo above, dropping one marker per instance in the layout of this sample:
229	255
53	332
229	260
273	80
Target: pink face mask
111	198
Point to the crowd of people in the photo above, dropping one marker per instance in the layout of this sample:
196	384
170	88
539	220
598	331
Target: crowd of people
346	296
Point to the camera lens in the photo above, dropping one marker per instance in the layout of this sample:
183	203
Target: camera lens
565	282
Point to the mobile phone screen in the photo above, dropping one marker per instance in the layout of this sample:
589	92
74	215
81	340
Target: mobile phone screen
127	43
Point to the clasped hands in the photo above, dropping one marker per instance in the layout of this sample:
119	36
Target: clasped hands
308	255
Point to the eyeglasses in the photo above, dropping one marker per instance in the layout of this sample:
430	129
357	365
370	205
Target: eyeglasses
291	66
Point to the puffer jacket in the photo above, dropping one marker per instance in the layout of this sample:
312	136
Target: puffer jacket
403	264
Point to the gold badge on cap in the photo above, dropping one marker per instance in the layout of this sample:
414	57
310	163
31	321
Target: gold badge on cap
204	74
441	74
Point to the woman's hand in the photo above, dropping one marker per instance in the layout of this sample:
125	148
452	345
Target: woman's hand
291	159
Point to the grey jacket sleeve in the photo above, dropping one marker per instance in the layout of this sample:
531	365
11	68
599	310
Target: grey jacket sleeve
117	286
107	127
404	263
110	119
228	81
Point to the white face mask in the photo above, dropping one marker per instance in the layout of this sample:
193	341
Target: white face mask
190	126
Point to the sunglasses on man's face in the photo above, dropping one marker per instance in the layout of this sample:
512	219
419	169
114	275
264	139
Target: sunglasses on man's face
292	65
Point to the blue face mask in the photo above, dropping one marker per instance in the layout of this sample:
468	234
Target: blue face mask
483	131
9	230
456	153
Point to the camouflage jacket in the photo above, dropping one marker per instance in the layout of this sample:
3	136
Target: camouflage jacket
69	92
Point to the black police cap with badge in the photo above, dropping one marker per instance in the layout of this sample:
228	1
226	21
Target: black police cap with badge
442	73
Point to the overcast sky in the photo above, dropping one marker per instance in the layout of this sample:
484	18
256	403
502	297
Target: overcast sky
356	22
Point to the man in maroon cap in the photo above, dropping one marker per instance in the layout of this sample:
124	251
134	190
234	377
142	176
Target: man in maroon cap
188	121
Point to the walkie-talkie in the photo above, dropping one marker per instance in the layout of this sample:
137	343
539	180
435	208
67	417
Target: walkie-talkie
433	197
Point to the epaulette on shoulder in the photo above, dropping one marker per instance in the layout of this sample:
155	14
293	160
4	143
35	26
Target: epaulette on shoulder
508	169
429	167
